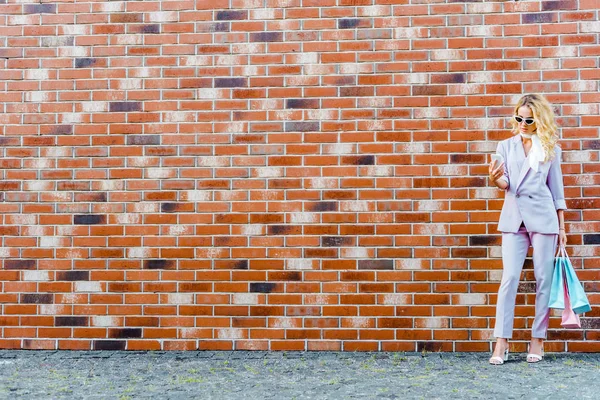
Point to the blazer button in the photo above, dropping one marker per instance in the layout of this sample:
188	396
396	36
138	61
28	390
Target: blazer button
530	197
518	196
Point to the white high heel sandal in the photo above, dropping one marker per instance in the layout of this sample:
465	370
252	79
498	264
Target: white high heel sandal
497	360
533	358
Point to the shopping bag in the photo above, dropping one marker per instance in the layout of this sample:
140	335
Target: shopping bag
565	279
557	290
569	318
577	297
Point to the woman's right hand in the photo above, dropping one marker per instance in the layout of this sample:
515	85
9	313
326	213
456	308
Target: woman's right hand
495	172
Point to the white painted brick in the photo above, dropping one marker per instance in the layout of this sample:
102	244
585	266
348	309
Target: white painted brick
22	19
208	161
375	11
250	70
139	252
264	13
304	218
113	6
324	183
94	106
139	161
416	78
42	163
432	229
36	96
71	298
356	206
37	74
204	93
198	195
75	29
128	219
354	68
480	30
231	333
488	193
338	148
441	55
253	229
577	156
71	118
244	298
58	152
452	170
53	309
430	113
112	184
282	323
178	116
410	263
320	114
471	299
198	60
88	287
38	186
359	322
177	230
429	205
74	51
226	60
396	298
316	69
269	172
163	16
105	321
433	323
298	264
590	27
50	241
67	231
33	230
379	170
158	173
495	275
38	276
355	252
180	298
584	109
307	58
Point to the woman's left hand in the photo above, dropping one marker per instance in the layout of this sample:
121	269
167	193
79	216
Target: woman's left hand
562	238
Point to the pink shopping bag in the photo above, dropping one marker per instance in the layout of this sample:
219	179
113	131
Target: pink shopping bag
569	318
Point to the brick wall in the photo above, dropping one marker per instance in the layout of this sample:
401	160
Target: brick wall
279	174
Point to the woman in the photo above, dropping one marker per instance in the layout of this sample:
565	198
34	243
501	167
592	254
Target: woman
532	215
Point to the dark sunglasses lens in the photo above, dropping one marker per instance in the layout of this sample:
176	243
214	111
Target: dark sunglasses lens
528	121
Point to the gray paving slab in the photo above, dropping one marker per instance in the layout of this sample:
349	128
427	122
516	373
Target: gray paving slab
293	375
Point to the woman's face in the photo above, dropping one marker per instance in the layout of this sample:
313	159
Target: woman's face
525	113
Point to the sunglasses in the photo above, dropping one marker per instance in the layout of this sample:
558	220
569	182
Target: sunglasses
528	121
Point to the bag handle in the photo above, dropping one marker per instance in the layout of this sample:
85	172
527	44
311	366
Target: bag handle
562	251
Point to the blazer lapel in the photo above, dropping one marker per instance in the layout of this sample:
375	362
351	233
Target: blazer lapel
521	156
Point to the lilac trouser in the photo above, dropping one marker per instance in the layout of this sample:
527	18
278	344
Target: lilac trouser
514	251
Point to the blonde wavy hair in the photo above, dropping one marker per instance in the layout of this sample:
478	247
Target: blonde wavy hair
546	127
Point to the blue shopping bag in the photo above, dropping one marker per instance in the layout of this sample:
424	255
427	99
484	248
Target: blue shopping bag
557	291
564	274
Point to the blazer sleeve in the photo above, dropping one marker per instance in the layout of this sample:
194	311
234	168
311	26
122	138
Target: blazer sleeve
555	182
502	151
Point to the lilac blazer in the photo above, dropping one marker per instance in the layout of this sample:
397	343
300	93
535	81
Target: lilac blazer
532	197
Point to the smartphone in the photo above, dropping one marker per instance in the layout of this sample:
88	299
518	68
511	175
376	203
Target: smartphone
498	158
